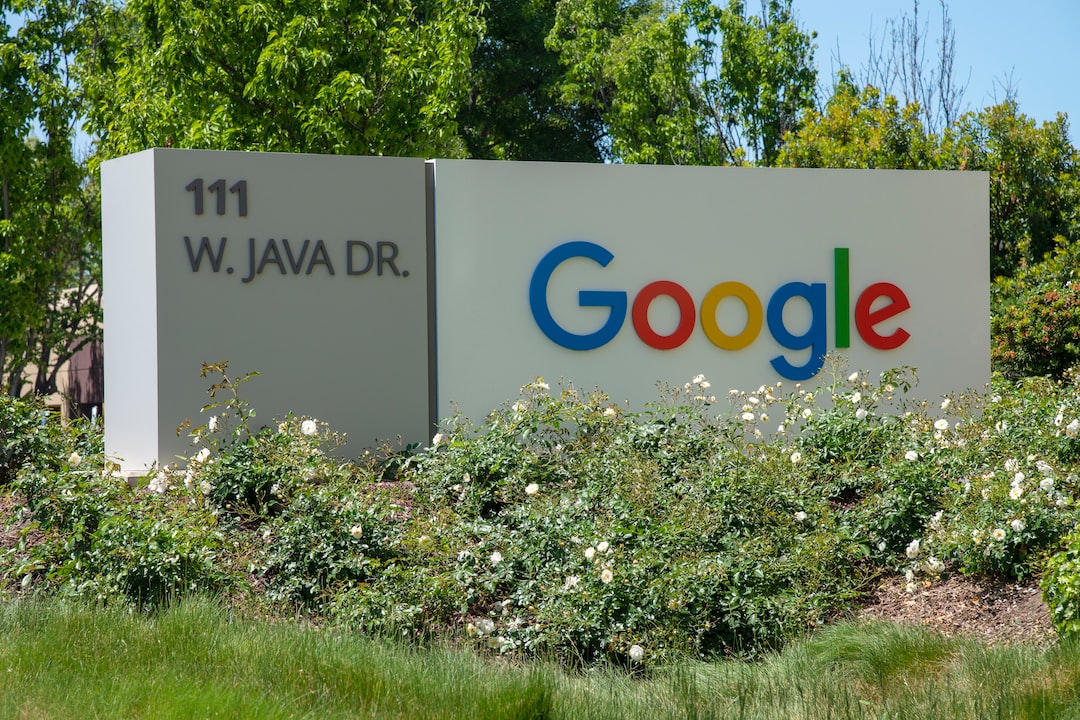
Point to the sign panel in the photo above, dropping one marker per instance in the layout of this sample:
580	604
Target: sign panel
620	277
311	270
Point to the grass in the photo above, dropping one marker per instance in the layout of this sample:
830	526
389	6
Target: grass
60	660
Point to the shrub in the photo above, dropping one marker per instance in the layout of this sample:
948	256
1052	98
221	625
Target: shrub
1035	322
25	437
1061	587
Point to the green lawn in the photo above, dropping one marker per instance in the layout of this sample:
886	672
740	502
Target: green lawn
198	661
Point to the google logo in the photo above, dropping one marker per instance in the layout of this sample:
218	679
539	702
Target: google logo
876	303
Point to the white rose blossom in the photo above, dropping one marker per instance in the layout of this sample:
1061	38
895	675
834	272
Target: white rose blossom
636	653
309	427
912	549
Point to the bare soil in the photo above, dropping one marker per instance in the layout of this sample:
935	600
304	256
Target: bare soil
996	612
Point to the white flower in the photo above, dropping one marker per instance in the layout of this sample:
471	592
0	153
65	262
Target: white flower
1046	484
590	553
519	406
486	626
1017	525
764	417
541	385
1059	418
753	400
609	412
698	379
1044	468
424	542
211	424
911	456
946	403
935	521
606	575
800	516
976	536
909	587
1018	478
941	424
986	493
747	416
205	487
912	550
496	557
796	457
308	427
438	440
356	531
1072	428
705	384
637	653
856	397
998	534
807	412
602	546
159	483
74	459
532	489
202	455
934	565
1012	464
860	414
853	377
571	582
1016	492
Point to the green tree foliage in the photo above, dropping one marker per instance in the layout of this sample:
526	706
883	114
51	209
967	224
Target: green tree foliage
686	82
513	111
861	129
1034	180
50	227
865	129
767	76
334	76
1034	176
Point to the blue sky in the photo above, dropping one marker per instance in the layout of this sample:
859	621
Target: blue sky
1032	42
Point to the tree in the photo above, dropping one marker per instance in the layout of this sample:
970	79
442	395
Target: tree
862	129
513	111
768	80
1034	181
331	76
687	82
49	233
898	65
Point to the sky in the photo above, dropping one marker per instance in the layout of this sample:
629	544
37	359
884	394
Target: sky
1030	45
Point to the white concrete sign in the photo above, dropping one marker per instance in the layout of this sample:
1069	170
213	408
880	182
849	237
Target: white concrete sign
379	295
618	277
311	270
